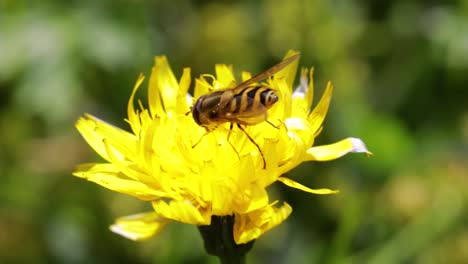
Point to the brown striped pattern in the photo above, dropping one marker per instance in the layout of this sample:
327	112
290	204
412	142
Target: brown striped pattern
251	99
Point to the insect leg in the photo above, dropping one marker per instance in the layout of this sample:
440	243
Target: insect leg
230	129
281	123
229	134
255	143
198	142
273	125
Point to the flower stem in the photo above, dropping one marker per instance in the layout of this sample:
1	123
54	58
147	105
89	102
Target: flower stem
219	241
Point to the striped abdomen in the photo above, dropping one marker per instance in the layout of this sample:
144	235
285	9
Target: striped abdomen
252	98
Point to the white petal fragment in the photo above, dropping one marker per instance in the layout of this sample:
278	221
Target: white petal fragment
359	146
302	88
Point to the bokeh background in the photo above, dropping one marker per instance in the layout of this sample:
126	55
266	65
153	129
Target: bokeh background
400	69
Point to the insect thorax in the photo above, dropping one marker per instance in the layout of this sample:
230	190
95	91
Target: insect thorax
205	108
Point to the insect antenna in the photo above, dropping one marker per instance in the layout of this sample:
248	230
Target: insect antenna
255	143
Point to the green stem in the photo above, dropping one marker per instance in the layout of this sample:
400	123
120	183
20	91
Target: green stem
219	241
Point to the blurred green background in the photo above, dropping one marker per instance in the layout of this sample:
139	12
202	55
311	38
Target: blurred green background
400	69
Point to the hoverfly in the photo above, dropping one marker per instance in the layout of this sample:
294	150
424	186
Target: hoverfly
245	104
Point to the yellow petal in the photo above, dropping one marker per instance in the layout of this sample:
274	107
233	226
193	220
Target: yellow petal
139	226
133	118
246	76
336	150
163	86
94	131
182	211
310	91
289	73
319	113
108	176
248	227
293	151
282	110
202	86
303	95
251	199
224	76
296	185
184	85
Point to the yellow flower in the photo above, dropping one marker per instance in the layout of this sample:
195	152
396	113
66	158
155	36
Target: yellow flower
156	161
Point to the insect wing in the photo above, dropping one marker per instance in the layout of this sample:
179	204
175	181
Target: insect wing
263	75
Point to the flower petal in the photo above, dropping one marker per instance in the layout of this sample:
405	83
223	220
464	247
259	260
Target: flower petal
301	128
252	198
163	86
224	76
108	176
336	150
289	73
296	185
202	86
248	227
302	96
133	118
282	110
319	113
182	211
184	85
246	75
139	226
94	131
310	91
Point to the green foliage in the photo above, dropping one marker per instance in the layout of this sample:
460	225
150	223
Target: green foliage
400	71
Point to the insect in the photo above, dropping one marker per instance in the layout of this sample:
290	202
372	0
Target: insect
245	104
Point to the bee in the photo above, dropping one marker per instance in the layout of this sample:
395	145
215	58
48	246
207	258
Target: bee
245	104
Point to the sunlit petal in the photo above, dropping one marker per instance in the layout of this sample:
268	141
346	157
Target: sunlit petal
182	211
224	76
319	113
252	225
336	150
111	178
133	117
139	226
184	85
301	187
163	87
94	131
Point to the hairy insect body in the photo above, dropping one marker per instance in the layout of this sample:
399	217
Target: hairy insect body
245	104
247	107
